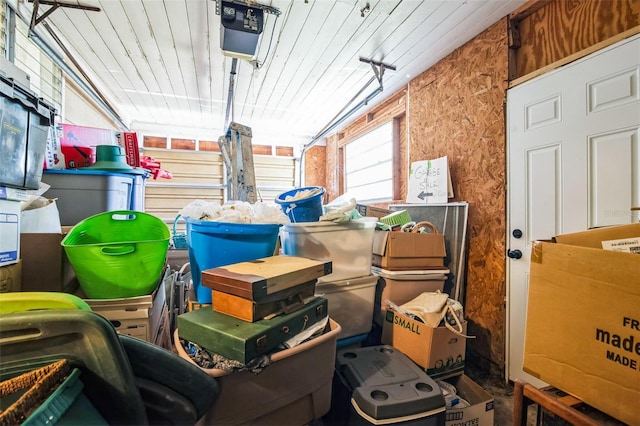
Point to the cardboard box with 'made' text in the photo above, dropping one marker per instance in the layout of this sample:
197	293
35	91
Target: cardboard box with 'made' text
583	319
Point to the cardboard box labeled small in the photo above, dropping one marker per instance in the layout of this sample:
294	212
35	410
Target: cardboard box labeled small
438	350
10	277
407	250
481	410
583	319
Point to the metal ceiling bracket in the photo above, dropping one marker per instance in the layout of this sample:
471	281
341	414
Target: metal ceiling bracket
378	68
265	8
35	19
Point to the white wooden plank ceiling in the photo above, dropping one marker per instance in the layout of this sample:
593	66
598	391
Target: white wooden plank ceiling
160	65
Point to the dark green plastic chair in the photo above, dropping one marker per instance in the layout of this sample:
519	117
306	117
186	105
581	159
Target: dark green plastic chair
129	381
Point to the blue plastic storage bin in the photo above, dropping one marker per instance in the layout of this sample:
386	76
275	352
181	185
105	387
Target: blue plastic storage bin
212	244
307	209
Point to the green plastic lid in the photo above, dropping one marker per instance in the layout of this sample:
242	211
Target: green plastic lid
40	300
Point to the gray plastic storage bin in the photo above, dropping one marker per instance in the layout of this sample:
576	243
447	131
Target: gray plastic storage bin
25	121
381	385
83	193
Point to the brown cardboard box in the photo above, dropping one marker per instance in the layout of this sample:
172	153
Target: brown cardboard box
438	350
406	250
139	316
10	277
583	320
372	211
480	412
45	266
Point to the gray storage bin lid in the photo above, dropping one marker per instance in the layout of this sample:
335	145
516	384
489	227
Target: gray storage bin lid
386	384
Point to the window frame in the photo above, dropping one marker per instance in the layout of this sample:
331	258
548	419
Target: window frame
359	138
392	110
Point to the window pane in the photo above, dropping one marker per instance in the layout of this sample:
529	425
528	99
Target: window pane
45	75
369	165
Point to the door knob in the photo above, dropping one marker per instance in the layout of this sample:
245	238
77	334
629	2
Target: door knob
514	254
517	233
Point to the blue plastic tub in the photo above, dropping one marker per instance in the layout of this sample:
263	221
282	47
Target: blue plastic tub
307	209
212	244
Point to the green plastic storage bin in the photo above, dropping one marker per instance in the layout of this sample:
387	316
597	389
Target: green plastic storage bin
40	300
118	254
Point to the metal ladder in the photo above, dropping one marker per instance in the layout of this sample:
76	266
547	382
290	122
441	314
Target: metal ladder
237	155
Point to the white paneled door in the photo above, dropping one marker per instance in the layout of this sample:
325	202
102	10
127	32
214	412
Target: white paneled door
573	164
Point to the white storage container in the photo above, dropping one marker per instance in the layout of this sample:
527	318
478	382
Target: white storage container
350	303
402	286
348	245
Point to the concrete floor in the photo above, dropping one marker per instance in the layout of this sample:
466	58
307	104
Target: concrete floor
501	391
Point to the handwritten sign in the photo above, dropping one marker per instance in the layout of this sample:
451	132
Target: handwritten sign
429	182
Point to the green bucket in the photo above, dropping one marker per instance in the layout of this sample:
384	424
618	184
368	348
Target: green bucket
118	254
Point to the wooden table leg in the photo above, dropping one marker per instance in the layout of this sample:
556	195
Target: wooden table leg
525	394
520	405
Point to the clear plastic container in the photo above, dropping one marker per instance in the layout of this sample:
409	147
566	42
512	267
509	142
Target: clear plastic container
348	246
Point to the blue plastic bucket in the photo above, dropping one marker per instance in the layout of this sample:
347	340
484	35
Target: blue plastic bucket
212	244
307	209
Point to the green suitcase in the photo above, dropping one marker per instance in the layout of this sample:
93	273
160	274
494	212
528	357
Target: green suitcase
241	340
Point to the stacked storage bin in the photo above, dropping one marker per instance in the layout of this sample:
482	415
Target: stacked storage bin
25	123
409	264
258	307
408	259
350	288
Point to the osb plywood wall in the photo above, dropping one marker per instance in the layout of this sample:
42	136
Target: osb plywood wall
561	28
314	168
456	109
331	168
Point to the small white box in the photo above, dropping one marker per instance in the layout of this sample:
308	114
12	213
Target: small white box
350	303
349	245
9	232
139	316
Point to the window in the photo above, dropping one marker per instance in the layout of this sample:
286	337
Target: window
368	163
45	75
